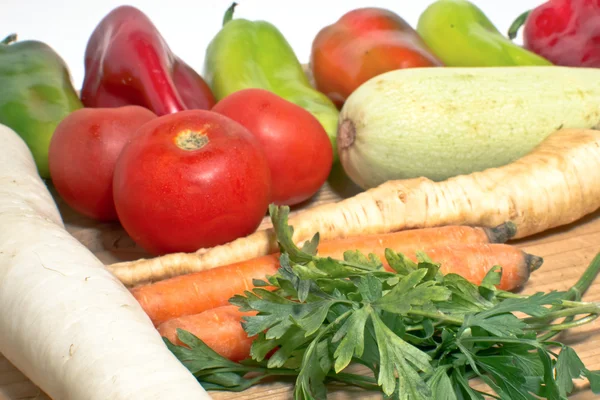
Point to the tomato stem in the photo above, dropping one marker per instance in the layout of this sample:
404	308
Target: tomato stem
191	140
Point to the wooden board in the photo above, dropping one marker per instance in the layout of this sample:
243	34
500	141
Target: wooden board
567	251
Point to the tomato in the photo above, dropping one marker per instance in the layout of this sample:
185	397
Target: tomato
298	149
82	155
191	180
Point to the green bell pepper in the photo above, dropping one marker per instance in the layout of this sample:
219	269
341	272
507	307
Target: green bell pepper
460	34
254	54
35	94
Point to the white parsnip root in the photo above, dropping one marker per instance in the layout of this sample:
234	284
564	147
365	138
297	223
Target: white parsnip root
65	321
556	184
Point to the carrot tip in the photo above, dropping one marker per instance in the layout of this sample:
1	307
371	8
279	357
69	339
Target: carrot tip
533	262
501	233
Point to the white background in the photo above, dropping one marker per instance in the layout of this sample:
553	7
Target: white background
189	25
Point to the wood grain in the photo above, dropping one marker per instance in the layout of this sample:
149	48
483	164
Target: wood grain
567	251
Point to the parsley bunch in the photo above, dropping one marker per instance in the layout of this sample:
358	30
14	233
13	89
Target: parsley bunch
422	335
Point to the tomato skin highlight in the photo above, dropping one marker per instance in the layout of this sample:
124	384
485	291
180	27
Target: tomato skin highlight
215	189
297	147
83	153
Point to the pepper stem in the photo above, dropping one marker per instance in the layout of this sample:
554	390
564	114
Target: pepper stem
229	13
517	24
9	39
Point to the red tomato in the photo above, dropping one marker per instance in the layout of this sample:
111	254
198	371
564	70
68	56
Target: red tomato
82	155
297	147
191	180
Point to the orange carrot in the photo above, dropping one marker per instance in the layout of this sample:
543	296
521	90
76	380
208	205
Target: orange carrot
220	328
473	261
201	291
413	240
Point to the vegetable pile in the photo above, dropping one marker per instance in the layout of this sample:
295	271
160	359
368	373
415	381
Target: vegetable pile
466	251
457	140
422	334
554	185
381	87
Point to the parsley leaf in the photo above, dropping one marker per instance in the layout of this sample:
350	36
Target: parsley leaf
465	296
499	325
351	336
499	319
506	375
461	386
441	385
409	291
400	263
594	378
532	305
310	382
195	355
568	367
369	287
355	257
395	355
422	335
492	278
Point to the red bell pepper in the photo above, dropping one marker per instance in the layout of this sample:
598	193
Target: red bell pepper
566	32
364	43
128	62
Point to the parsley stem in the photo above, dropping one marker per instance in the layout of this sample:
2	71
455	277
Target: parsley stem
585	281
509	295
493	396
563	304
572	304
586	308
420	327
349	376
500	339
362	381
438	316
264	370
577	291
565	325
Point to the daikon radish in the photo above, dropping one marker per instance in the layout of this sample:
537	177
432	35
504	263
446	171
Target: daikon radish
556	184
66	322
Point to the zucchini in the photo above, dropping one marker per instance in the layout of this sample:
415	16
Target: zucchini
442	122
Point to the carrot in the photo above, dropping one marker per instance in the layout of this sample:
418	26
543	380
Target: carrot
555	184
194	293
197	292
219	328
474	261
413	240
200	291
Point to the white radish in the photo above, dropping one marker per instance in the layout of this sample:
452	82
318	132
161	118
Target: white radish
66	321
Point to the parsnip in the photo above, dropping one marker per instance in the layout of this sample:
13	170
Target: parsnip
556	184
65	321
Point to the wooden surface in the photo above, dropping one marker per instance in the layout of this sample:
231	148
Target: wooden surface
567	251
